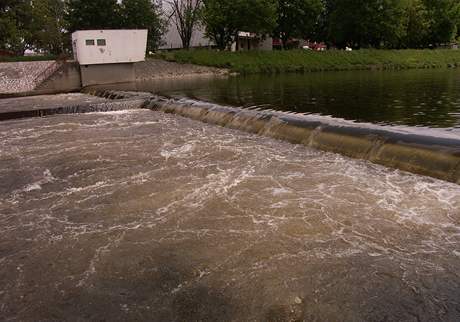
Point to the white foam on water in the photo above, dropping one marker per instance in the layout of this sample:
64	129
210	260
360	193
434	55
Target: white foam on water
90	188
47	178
32	187
120	112
176	152
280	191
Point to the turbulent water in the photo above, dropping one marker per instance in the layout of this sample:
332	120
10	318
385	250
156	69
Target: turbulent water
139	215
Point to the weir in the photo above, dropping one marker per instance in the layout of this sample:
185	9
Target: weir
412	151
40	106
71	109
420	151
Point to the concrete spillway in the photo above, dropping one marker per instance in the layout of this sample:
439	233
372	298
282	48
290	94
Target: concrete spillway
408	150
46	105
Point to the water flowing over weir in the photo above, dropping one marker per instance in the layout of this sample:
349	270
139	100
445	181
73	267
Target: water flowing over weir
47	105
421	151
437	155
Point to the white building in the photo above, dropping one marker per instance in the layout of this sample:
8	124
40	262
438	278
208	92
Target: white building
109	46
108	56
246	40
250	41
172	39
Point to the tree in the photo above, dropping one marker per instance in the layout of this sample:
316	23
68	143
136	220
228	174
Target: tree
47	26
444	20
144	14
113	14
363	23
224	18
185	14
15	21
219	24
93	14
416	24
297	18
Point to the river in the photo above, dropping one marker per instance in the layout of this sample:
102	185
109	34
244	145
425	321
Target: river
141	215
416	98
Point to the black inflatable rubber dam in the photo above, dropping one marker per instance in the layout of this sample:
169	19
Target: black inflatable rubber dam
420	151
416	152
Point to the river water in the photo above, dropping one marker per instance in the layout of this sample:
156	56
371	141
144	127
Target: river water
139	215
422	98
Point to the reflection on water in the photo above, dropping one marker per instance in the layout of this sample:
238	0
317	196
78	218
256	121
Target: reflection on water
428	98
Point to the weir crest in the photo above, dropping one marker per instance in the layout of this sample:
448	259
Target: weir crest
418	150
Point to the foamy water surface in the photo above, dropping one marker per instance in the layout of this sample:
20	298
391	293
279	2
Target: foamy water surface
141	215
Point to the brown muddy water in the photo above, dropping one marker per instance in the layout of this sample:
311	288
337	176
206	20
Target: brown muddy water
139	215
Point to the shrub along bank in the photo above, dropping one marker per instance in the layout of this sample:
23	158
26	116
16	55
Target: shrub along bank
253	62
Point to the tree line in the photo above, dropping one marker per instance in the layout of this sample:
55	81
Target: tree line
45	25
340	23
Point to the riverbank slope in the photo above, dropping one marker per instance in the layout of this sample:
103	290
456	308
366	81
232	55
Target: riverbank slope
308	61
36	77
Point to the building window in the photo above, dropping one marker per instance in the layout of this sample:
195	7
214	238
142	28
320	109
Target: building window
89	42
101	42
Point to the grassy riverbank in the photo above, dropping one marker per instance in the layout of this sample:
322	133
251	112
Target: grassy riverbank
308	61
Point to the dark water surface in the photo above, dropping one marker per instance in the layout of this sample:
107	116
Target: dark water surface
428	98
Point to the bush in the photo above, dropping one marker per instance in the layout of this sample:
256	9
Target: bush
308	61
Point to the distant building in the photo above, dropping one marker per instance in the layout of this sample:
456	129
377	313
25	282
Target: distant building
250	41
172	39
108	56
245	41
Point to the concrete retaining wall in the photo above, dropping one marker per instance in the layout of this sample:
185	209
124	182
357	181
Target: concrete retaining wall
107	74
65	79
22	76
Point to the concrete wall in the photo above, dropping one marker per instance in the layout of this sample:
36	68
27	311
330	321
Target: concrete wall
17	77
66	79
107	74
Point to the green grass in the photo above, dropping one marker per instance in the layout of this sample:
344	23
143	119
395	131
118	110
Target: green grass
309	61
6	59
